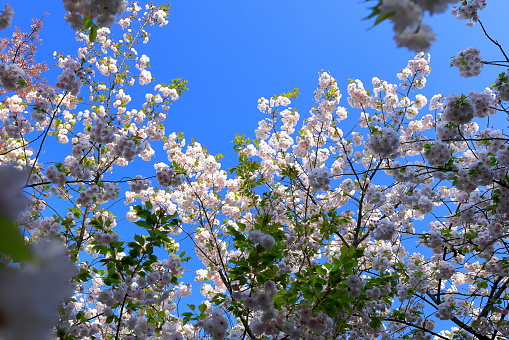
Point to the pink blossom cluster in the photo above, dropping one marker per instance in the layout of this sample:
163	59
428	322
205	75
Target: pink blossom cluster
407	21
11	76
265	240
501	85
385	230
166	177
383	143
139	183
468	10
458	109
12	200
68	80
438	154
319	179
484	103
416	71
6	17
468	61
33	293
217	325
55	176
102	133
127	148
104	10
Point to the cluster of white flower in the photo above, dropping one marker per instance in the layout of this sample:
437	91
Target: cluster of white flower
477	174
374	195
290	119
484	103
445	270
419	40
502	86
80	144
145	77
166	177
160	17
217	325
385	230
265	240
355	284
105	238
107	65
434	240
436	102
108	191
446	309
11	76
67	80
127	148
139	183
34	293
381	255
417	278
458	109
6	17
55	176
407	16
42	101
12	200
85	198
438	154
261	301
414	74
383	143
468	9
319	179
447	132
103	10
17	127
359	97
468	61
101	133
435	6
77	170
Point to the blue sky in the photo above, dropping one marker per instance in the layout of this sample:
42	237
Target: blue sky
233	52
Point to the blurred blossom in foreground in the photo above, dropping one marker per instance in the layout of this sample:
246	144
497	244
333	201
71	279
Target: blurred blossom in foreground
6	17
12	200
31	294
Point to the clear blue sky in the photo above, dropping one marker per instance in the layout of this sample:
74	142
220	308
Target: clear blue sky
233	52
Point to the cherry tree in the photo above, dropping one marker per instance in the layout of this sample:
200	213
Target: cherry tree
312	235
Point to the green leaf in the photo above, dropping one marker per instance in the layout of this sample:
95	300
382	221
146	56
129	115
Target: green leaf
87	23
375	323
93	33
375	12
383	17
268	273
22	83
12	243
291	94
483	284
